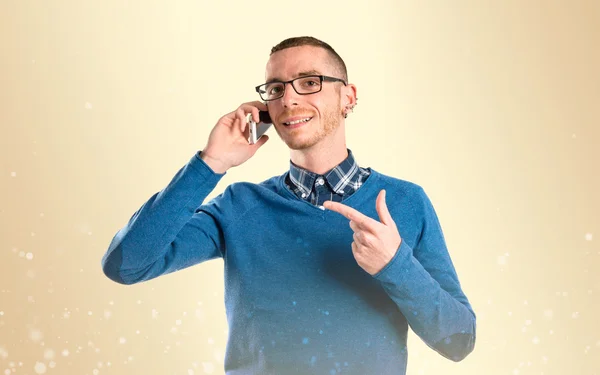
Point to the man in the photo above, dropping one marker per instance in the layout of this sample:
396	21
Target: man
326	265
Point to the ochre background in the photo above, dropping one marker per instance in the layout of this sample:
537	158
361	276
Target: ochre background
493	107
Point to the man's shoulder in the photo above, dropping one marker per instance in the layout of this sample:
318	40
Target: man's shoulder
241	196
248	191
396	185
269	184
406	192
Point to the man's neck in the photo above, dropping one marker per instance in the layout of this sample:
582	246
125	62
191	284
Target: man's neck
319	161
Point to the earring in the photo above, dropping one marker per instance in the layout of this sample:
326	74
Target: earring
350	108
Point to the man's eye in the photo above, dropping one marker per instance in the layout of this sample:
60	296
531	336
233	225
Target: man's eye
310	82
274	90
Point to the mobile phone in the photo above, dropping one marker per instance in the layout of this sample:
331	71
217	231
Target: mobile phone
256	130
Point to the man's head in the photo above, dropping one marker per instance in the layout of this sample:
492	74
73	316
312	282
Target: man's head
334	59
326	109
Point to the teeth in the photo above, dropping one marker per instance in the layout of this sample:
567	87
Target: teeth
297	122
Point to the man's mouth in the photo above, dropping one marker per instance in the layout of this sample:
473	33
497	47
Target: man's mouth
297	121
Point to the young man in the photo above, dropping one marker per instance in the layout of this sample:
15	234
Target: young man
311	287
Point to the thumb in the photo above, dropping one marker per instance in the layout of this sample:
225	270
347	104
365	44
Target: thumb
382	210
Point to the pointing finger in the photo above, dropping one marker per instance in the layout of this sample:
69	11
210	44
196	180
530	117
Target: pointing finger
351	214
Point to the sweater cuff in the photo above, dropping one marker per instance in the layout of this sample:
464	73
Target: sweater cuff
398	267
200	165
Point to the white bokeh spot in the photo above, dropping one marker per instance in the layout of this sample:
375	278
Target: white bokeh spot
39	368
208	367
49	354
501	260
35	335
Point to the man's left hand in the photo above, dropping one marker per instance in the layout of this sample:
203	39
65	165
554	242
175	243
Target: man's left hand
375	243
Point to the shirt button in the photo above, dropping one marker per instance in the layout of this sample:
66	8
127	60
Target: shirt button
303	195
340	191
320	181
322	207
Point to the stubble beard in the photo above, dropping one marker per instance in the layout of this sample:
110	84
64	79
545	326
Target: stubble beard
327	125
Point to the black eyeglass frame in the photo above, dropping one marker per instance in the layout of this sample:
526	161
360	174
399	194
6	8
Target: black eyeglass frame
322	79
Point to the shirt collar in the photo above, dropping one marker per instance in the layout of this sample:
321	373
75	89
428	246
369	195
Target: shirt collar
341	179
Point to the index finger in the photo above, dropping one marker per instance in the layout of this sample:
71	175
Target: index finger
350	213
252	108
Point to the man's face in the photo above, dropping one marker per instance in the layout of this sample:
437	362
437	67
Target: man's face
323	108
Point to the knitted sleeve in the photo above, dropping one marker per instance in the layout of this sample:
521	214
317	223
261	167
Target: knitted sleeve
423	282
170	231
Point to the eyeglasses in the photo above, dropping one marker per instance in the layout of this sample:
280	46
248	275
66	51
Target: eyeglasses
302	85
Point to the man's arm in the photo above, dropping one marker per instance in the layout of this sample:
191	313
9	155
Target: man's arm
168	232
424	284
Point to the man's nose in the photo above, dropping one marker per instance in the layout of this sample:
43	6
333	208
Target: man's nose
290	96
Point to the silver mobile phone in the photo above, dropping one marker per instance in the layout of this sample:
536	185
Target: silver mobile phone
256	130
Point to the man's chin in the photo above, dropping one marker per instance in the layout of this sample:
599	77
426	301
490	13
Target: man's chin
298	145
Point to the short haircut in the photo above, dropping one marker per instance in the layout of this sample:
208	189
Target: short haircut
310	41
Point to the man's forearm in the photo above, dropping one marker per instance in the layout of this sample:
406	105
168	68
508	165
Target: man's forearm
153	241
444	322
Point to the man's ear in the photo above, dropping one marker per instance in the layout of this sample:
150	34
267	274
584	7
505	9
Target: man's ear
350	95
349	99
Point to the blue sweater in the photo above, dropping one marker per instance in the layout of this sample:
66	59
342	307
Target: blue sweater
296	300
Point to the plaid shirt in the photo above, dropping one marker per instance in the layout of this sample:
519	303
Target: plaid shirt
336	185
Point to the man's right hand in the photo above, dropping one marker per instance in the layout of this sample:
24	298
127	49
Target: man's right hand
228	141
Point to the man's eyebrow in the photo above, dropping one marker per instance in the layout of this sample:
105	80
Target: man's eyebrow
311	72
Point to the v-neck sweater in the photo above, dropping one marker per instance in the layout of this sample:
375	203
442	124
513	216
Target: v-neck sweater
296	300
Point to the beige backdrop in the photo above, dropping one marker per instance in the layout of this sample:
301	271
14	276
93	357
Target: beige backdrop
492	107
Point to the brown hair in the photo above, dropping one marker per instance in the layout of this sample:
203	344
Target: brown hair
310	41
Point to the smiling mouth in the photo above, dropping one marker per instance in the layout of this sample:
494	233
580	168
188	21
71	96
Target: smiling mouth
297	122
